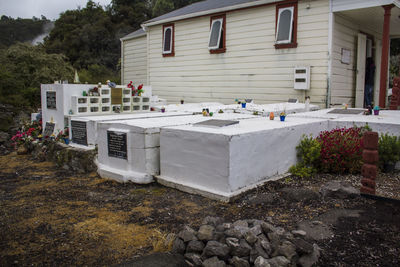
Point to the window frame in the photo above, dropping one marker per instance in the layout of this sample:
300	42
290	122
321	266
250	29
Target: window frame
222	34
292	42
171	52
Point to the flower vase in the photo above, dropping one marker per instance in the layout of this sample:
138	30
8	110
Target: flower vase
66	140
282	117
243	104
376	112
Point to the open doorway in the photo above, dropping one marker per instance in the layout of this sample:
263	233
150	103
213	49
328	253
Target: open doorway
366	71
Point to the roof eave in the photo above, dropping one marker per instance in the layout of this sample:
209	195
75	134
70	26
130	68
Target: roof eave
211	11
132	37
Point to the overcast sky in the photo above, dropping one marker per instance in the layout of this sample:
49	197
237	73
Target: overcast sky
51	9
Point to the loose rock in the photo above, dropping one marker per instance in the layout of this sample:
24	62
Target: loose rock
178	246
214	248
195	246
261	262
339	189
299	194
279	261
239	262
213	262
206	232
194	259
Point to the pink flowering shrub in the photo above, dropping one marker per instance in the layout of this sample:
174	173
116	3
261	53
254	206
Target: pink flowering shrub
25	136
341	150
335	151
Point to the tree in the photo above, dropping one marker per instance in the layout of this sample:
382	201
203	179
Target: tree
24	67
20	30
161	7
86	36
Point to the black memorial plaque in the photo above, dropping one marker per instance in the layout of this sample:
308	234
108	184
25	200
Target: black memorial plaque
79	133
117	145
51	100
48	129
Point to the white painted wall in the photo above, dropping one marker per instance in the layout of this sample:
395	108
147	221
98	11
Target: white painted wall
251	66
343	81
134	60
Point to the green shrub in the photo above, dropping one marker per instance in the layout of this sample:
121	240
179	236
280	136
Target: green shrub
389	149
308	153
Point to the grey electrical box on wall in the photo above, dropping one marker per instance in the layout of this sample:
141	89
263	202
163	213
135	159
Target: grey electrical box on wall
302	78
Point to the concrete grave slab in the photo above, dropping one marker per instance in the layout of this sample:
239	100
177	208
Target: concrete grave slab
143	145
223	162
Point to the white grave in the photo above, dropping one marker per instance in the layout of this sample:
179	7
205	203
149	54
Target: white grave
129	150
85	127
61	100
223	162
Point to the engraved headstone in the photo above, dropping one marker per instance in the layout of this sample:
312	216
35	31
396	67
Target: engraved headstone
117	147
79	133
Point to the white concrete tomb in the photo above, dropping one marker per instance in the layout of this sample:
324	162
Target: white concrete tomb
223	162
130	150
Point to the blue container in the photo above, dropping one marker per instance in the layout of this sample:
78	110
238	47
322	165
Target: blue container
244	105
282	118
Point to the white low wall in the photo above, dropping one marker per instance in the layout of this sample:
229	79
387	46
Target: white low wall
143	145
223	162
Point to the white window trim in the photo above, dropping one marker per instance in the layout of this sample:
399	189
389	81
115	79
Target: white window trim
288	41
170	42
219	34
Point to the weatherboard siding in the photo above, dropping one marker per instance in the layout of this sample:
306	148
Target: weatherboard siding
135	61
345	35
251	67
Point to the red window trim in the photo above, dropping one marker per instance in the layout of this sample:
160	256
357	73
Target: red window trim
173	40
293	43
223	49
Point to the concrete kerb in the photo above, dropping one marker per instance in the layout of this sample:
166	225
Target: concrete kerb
212	194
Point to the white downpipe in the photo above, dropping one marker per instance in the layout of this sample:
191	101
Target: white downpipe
330	55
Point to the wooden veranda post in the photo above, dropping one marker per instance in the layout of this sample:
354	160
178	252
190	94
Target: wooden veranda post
385	55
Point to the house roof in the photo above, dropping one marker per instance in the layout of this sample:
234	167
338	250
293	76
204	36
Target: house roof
204	8
134	34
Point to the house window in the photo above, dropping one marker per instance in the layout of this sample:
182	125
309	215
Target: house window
168	40
216	42
286	26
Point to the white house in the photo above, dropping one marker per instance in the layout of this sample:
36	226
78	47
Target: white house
219	50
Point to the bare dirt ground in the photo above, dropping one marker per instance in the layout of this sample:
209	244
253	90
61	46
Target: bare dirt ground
51	217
